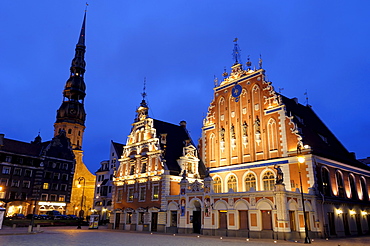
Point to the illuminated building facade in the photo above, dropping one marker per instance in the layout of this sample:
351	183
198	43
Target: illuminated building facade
155	156
36	173
255	187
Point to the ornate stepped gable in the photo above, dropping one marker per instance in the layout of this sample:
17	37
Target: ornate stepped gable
246	120
154	147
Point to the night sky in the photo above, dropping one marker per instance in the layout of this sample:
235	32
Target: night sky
321	47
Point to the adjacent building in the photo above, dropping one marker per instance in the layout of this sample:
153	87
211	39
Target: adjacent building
156	156
103	204
36	177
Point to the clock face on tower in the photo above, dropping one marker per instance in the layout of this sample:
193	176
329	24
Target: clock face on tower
72	111
236	91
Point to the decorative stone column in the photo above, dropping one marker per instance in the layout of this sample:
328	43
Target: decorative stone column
281	211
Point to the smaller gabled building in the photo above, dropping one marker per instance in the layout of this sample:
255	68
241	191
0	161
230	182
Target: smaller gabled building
104	185
155	155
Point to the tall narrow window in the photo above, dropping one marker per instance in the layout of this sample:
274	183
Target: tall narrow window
272	134
365	194
325	182
250	181
340	186
231	183
217	185
155	194
212	144
353	187
268	180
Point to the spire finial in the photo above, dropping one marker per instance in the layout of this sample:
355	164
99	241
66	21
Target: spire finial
306	94
260	62
81	39
86	7
236	51
143	94
249	63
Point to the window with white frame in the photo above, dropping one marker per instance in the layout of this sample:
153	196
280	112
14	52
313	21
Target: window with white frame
155	192
217	185
62	198
268	180
6	170
130	194
250	181
142	193
232	183
26	184
17	171
119	195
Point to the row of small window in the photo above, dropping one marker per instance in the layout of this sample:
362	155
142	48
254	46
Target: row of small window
250	182
56	176
28	173
15	183
17	171
101	177
18	160
57	165
131	195
104	190
24	196
352	188
52	198
103	203
140	218
53	186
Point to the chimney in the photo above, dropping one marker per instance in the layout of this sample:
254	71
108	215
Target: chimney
2	139
295	100
183	123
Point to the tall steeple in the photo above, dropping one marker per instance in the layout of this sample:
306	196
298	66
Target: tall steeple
71	114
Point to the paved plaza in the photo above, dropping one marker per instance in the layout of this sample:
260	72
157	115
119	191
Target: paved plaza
70	236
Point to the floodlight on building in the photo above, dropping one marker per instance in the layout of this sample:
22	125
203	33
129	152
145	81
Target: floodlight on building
363	213
339	211
352	212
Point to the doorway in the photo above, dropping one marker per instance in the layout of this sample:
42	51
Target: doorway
266	219
223	219
117	221
197	221
154	223
293	225
243	219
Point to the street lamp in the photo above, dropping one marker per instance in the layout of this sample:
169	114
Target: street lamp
81	214
301	160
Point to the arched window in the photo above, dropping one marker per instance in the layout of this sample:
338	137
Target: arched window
272	134
231	183
325	182
250	181
268	180
217	185
339	177
365	194
352	185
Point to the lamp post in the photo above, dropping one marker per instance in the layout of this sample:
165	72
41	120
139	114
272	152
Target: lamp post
301	160
81	213
32	224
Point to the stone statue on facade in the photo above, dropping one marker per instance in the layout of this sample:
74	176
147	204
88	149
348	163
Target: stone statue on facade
280	175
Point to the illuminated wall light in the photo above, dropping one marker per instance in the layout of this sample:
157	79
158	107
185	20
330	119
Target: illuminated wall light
351	212
339	211
364	213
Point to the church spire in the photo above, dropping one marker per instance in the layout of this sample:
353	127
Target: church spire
71	114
